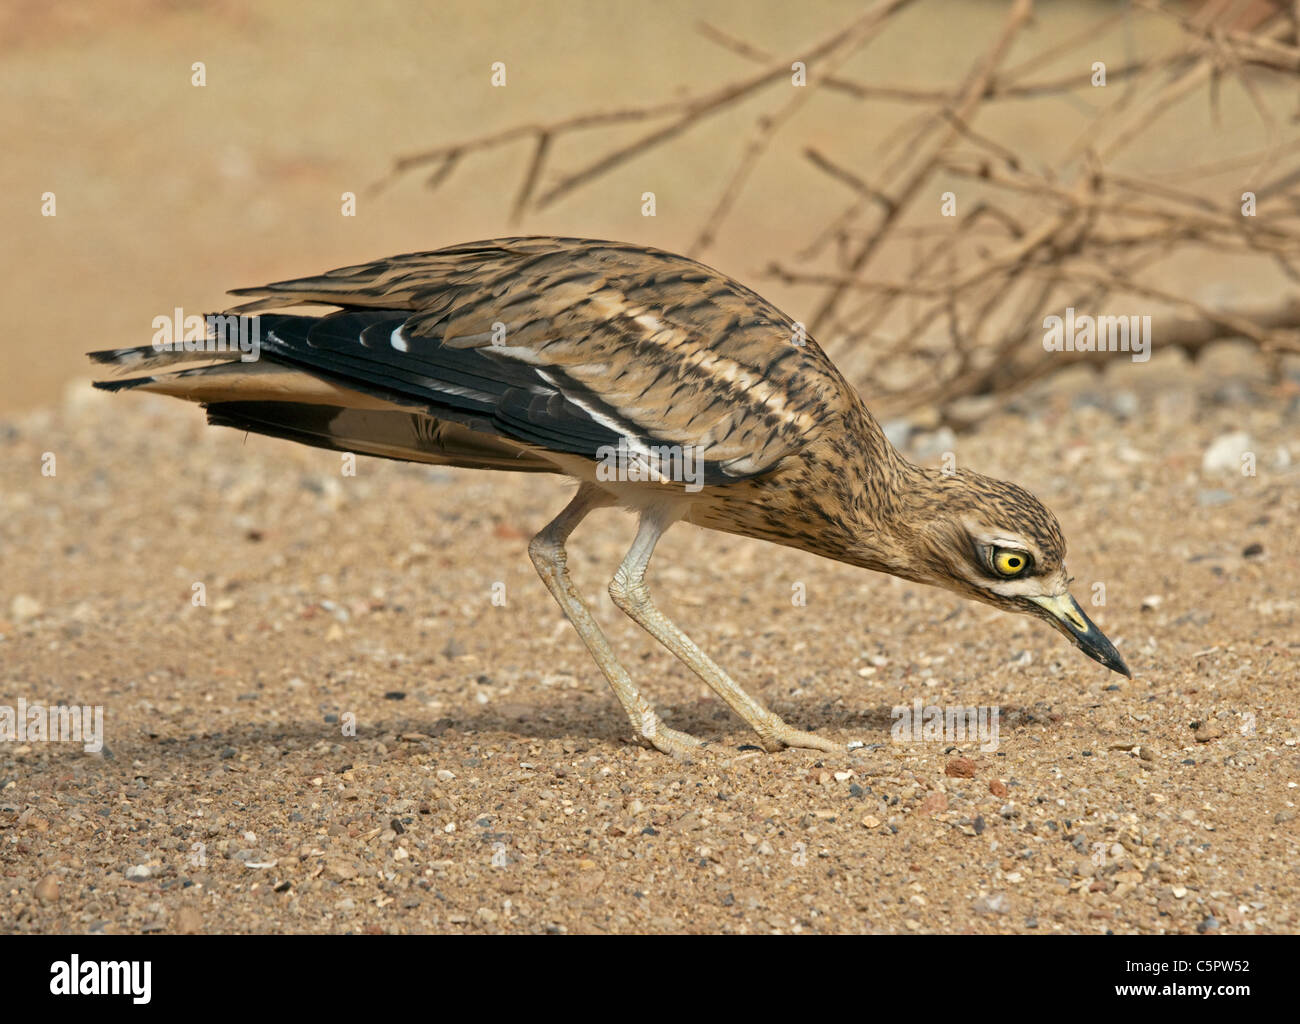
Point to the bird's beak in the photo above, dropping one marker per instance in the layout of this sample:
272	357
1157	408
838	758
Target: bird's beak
1063	612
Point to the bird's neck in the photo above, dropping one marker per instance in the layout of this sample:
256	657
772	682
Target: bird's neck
846	496
882	493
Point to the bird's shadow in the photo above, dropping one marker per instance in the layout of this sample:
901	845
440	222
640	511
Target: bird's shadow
580	724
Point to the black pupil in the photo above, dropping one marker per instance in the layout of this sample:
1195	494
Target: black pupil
1013	562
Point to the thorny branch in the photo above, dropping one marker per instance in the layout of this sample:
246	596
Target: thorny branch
922	310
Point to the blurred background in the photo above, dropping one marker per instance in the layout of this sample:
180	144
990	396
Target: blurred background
167	192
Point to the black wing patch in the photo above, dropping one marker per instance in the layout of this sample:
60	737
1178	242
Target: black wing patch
368	351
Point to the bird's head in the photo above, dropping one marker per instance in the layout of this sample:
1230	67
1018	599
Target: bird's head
995	542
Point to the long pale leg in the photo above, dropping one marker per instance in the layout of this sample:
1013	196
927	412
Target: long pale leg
548	555
629	591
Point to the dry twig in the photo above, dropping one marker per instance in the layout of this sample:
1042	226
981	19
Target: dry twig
963	316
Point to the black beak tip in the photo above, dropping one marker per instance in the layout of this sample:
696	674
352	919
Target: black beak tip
1095	645
1082	632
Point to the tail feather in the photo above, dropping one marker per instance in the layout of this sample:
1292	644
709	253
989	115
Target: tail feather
146	358
285	401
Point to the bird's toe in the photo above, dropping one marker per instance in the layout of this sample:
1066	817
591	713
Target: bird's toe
784	736
680	745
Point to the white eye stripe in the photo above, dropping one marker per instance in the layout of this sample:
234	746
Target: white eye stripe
1027	586
1013	546
1023	586
988	540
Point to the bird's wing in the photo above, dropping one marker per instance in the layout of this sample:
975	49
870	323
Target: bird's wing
569	345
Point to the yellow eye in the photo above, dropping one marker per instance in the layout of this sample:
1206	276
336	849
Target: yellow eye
1010	563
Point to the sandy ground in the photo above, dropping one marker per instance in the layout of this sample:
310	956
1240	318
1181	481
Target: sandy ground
490	785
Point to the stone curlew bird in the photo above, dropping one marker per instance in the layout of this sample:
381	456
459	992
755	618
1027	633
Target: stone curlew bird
658	384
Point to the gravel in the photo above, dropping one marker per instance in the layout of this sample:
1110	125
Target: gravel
501	795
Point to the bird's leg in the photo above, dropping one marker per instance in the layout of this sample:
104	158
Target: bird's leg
629	591
548	555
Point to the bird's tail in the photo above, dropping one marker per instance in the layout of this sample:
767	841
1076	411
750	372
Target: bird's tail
269	397
227	365
228	352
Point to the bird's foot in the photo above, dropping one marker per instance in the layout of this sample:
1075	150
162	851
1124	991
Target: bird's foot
778	735
673	742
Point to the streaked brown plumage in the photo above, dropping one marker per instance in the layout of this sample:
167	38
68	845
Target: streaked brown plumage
544	354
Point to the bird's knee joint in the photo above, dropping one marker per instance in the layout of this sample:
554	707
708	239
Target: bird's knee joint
545	553
627	593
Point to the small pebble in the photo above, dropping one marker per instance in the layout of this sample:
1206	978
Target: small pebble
996	903
24	608
1224	453
960	768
